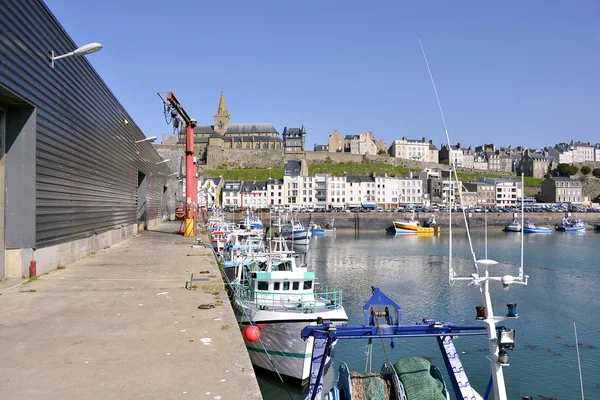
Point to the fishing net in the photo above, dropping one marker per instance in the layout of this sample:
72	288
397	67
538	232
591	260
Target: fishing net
370	386
418	382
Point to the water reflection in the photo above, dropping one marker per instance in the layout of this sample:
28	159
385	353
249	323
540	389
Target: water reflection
413	270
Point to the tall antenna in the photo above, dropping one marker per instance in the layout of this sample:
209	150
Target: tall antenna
522	223
497	346
578	361
453	163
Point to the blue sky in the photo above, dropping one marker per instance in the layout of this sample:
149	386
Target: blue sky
511	72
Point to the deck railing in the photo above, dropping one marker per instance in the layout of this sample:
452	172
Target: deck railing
324	299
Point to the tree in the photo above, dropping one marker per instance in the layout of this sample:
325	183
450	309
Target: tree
596	172
585	170
567	169
382	152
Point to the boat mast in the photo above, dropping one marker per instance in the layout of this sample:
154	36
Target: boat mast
487	316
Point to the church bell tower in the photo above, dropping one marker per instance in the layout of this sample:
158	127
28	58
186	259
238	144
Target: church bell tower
221	118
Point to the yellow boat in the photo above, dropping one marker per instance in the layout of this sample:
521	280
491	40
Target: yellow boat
414	226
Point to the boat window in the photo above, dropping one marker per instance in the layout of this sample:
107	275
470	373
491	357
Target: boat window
296	286
262	285
286	286
307	285
275	285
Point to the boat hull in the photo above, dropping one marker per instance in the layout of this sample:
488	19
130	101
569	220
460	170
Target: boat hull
511	228
407	228
280	348
537	230
571	228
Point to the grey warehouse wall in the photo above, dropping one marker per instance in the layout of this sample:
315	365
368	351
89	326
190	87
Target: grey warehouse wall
74	165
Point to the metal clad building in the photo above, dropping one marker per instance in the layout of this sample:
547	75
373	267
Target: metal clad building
70	167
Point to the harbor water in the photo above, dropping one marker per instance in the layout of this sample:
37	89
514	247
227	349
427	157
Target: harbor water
564	288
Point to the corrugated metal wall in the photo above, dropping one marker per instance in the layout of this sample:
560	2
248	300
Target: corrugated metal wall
87	161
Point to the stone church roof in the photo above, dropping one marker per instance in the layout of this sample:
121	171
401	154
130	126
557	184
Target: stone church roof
250	128
250	139
204	129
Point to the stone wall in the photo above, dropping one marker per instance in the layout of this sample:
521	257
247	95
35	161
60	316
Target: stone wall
251	158
243	158
381	221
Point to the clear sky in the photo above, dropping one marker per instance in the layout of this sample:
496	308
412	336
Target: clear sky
507	72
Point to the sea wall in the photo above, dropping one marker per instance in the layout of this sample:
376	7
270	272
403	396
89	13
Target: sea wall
377	221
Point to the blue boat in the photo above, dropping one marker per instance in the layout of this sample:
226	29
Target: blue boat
530	227
571	224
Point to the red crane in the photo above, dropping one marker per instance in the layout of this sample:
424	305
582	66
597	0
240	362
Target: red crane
191	181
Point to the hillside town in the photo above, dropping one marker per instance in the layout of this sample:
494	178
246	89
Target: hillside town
431	186
263	138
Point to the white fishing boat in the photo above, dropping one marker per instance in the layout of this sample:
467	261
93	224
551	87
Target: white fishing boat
294	232
514	226
273	300
571	224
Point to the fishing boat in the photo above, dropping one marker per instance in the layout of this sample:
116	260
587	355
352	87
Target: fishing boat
413	225
530	227
294	232
514	226
274	299
318	230
571	224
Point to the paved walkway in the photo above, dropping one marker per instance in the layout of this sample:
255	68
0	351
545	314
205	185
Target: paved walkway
119	324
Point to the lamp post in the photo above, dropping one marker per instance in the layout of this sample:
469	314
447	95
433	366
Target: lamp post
80	51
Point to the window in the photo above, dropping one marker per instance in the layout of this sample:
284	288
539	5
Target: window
275	285
296	286
262	285
286	286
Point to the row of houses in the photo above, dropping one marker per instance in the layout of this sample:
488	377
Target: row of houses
532	162
427	187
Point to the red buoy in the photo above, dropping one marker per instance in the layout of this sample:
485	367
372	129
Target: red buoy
252	333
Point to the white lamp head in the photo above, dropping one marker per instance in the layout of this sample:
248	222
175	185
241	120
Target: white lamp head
80	51
87	49
148	139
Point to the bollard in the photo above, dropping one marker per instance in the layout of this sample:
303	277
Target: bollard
32	269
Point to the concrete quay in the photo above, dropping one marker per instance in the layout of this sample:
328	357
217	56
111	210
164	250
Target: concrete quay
119	324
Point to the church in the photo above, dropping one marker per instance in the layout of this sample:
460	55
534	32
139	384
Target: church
233	136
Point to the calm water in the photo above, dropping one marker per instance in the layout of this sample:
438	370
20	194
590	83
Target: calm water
564	288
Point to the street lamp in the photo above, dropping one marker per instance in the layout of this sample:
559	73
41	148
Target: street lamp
80	51
163	161
148	139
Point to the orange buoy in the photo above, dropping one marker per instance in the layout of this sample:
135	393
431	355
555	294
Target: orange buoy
252	333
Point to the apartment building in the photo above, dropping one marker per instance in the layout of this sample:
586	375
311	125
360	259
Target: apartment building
559	189
275	193
485	193
507	190
413	149
452	154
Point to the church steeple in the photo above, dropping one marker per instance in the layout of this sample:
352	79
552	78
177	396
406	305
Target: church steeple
222	109
222	117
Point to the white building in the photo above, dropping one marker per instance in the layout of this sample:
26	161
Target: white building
230	194
412	149
253	194
410	190
336	196
583	152
507	190
360	191
275	193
